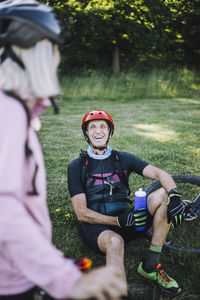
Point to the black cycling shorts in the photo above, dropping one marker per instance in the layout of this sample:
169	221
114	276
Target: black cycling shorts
90	233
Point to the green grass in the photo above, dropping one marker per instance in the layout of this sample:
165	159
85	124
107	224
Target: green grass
164	132
128	86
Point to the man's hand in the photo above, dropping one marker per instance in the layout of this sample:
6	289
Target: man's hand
100	284
176	210
131	218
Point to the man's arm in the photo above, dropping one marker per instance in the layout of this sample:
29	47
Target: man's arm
165	178
88	215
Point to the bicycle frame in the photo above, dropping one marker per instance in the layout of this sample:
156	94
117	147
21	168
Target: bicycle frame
194	209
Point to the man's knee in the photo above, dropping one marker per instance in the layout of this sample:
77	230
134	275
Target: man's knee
109	240
157	199
158	196
116	242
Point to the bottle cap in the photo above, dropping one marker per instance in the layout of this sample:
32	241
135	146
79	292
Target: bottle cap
140	193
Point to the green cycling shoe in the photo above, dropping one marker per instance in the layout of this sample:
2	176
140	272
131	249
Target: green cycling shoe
164	281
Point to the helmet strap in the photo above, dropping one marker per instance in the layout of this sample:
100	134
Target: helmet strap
54	105
95	147
8	52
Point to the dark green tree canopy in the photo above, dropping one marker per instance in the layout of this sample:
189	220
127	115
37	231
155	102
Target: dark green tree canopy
128	33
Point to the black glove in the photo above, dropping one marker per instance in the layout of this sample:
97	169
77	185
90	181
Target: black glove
176	210
131	218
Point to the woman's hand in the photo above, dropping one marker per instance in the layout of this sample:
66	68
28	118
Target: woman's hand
100	284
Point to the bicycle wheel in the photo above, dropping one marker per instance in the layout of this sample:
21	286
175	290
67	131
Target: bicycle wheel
186	237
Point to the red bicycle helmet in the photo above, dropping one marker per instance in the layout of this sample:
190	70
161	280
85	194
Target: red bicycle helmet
97	115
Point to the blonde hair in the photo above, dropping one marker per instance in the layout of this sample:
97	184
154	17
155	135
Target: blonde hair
39	79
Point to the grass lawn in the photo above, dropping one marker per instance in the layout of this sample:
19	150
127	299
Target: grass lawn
163	132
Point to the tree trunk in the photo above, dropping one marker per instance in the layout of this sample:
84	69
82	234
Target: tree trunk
115	59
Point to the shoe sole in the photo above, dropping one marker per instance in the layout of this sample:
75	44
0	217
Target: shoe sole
163	289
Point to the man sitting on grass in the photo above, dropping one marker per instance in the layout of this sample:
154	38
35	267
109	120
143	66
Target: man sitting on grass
98	186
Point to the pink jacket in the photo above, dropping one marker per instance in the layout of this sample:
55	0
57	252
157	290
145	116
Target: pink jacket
27	256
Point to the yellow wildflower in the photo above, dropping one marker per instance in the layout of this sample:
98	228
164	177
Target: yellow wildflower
67	215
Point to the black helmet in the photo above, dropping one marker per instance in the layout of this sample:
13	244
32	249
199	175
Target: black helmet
25	22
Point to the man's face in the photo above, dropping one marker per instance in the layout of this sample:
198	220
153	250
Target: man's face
98	132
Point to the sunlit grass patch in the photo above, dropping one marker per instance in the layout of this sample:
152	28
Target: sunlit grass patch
156	132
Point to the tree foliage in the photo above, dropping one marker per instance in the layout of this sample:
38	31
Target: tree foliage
144	32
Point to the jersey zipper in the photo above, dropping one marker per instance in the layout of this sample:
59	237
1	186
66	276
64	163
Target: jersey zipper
101	171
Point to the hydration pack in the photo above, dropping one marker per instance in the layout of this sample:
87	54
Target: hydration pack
103	193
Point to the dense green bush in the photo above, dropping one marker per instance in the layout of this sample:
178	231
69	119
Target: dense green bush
129	34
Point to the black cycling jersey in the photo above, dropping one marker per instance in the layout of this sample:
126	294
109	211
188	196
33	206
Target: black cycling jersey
103	188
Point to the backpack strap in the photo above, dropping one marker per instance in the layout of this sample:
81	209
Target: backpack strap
28	151
84	163
119	171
